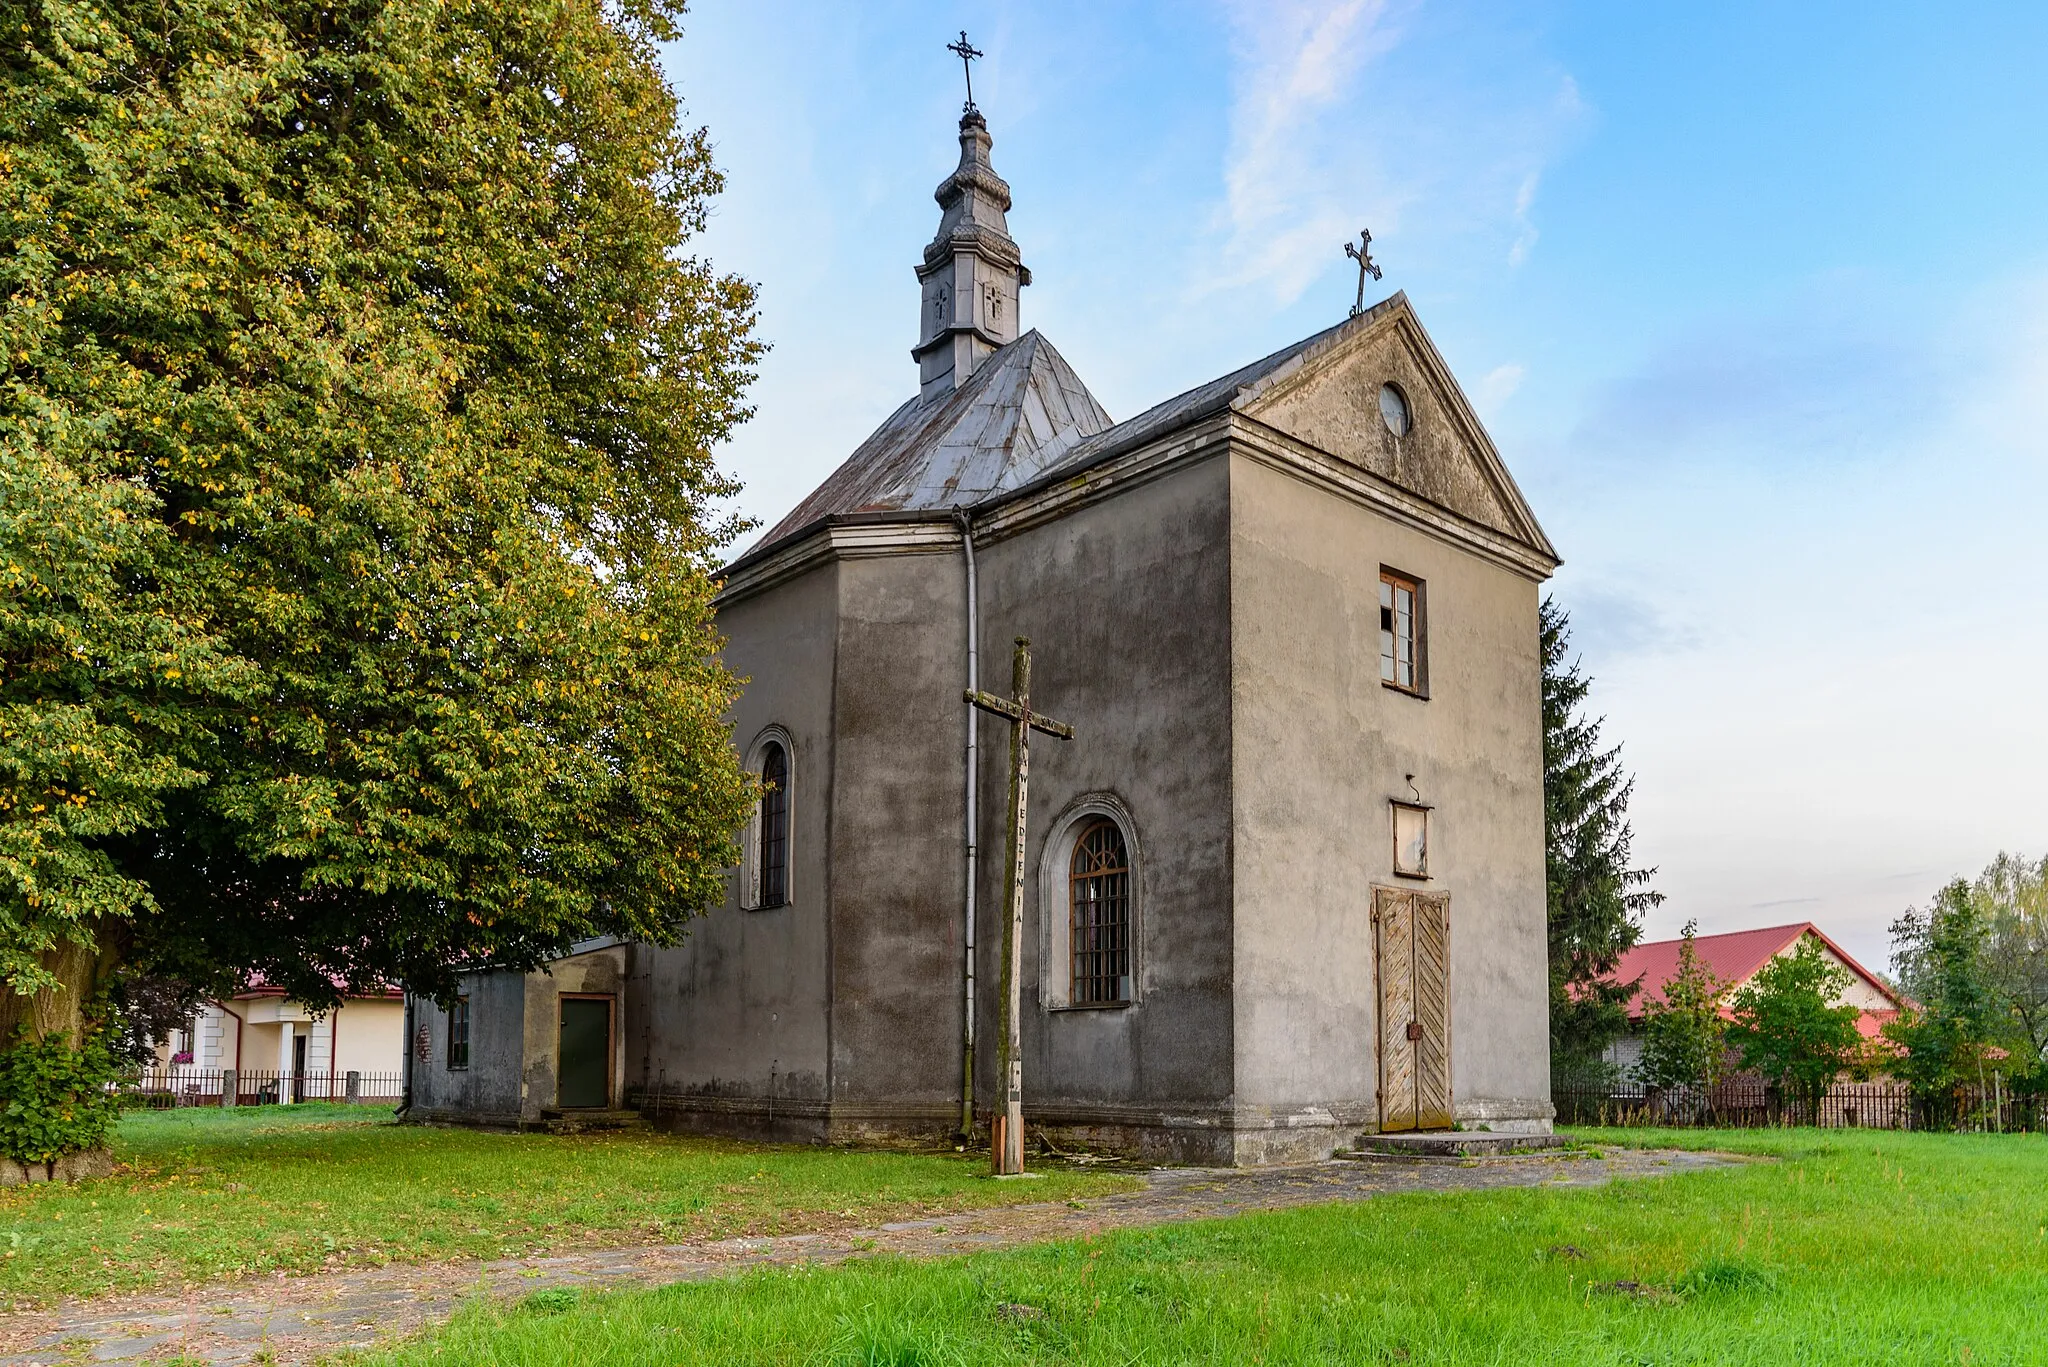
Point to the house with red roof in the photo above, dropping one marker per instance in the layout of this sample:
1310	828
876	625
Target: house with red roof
284	1050
1735	958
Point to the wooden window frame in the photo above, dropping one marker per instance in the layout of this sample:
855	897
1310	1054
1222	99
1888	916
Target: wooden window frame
1419	642
458	1035
1395	806
1077	941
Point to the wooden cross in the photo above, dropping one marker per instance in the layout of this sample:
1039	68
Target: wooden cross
1006	1134
966	52
1362	254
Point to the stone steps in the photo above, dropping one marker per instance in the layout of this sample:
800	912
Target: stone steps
583	1122
1452	1144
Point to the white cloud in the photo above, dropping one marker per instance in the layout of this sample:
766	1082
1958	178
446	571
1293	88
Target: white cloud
1818	636
1298	61
1382	114
1499	385
1525	230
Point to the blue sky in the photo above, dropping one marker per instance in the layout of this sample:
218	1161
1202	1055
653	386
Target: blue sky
1754	299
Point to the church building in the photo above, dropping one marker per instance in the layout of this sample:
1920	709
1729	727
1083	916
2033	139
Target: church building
1283	887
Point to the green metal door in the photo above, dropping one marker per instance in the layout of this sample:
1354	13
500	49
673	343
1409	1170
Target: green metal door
584	1076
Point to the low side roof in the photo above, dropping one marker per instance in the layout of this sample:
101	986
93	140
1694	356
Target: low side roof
1021	411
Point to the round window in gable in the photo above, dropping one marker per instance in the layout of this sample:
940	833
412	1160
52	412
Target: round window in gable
1394	410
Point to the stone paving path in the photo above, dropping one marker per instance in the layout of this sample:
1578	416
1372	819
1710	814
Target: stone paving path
302	1319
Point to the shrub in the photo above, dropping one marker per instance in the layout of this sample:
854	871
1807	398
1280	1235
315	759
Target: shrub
56	1097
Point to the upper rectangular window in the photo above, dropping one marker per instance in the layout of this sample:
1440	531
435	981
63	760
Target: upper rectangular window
458	1034
1401	643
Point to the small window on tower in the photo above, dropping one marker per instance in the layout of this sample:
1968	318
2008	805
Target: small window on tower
1401	632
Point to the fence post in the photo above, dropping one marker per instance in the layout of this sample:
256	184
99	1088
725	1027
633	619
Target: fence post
230	1087
355	1087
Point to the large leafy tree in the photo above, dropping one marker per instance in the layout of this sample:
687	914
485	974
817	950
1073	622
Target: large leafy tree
1596	899
1788	1025
1943	1035
2014	893
357	395
1974	964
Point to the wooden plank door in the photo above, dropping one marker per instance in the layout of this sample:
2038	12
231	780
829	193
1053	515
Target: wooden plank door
1411	950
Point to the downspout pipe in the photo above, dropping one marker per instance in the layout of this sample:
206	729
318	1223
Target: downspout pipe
405	1099
973	770
239	1070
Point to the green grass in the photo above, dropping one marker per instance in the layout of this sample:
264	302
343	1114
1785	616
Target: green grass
205	1193
1852	1248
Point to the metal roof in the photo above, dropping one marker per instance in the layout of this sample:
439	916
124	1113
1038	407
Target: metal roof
1018	414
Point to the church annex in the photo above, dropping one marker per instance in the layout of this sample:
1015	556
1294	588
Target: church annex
1285	887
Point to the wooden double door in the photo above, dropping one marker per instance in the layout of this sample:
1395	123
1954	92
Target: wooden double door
1412	962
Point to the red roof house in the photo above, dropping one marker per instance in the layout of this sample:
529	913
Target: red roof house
1734	958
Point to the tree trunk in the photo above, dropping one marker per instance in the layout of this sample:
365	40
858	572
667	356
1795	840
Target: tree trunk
81	971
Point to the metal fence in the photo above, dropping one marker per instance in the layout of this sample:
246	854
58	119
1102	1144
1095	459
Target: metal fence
162	1089
1749	1102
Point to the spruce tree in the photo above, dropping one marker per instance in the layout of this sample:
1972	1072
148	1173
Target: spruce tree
356	494
1596	901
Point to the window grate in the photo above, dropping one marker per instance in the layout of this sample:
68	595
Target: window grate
1099	889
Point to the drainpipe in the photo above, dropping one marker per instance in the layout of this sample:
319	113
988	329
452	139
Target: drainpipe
405	1056
238	1047
966	521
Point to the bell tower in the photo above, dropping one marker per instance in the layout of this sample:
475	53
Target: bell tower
972	271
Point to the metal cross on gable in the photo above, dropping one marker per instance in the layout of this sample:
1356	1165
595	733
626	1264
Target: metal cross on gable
966	52
1006	1135
1362	254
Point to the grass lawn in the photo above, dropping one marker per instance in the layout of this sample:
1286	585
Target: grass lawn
1854	1247
206	1193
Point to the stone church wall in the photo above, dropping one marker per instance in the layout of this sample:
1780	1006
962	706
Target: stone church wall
1321	747
900	727
1126	602
729	1030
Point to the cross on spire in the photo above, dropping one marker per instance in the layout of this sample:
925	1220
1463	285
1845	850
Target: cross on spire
966	52
1362	254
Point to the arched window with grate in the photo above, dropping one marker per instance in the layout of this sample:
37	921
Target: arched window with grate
1099	899
774	852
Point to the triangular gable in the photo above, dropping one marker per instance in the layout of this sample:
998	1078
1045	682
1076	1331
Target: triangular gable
1328	396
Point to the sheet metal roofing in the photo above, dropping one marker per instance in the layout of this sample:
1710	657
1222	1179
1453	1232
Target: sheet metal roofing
1225	392
1734	958
1019	413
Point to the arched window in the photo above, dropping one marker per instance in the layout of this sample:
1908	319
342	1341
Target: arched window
774	852
1099	899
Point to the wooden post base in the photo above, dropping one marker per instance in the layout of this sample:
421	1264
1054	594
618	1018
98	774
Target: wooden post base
1006	1146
